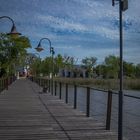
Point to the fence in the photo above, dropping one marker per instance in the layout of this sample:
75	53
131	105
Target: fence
57	89
5	82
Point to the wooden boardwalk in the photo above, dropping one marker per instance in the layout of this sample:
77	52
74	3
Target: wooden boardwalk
27	115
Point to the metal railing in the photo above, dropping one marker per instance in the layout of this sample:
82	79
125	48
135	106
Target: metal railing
97	102
57	86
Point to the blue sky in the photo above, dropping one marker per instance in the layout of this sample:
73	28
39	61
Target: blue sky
77	28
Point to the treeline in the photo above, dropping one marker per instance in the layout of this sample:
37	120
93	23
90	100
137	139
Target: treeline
13	56
109	69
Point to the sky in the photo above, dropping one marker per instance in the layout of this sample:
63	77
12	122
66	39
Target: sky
76	28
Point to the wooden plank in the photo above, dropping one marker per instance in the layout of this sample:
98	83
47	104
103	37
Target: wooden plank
27	115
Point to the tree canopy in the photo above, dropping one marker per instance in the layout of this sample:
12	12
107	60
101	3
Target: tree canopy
12	52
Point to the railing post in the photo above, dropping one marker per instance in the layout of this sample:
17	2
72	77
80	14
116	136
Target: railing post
55	88
0	85
33	79
49	84
60	88
46	83
43	82
46	86
40	81
7	80
88	102
36	79
75	96
11	80
3	84
66	97
109	107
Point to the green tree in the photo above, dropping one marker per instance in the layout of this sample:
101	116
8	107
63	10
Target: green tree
137	71
101	71
58	63
46	66
33	63
12	52
129	69
89	63
36	67
112	66
68	62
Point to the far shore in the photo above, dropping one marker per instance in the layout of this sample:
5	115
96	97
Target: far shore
128	84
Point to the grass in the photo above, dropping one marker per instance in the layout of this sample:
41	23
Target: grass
129	84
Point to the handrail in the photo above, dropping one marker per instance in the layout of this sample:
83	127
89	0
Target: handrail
131	96
103	90
5	82
109	99
58	91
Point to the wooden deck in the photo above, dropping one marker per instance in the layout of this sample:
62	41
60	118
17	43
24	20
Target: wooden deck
27	115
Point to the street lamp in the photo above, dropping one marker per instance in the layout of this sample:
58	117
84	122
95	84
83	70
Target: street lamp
13	29
39	48
123	5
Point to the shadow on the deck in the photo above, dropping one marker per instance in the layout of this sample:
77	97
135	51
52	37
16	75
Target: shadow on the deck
26	114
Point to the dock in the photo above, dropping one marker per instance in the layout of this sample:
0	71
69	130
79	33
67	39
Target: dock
28	114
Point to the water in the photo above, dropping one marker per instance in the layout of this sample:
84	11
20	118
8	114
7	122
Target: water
98	107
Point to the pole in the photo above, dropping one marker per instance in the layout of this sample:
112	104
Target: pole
120	113
52	71
123	6
39	48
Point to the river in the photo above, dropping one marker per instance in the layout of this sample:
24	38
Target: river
98	105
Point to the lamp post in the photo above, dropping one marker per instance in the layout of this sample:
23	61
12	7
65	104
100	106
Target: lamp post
123	5
39	49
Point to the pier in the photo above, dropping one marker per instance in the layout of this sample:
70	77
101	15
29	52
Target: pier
28	113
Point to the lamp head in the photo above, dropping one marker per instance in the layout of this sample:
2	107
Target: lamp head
39	48
14	31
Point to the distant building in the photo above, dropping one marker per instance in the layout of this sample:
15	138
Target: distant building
75	71
21	71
